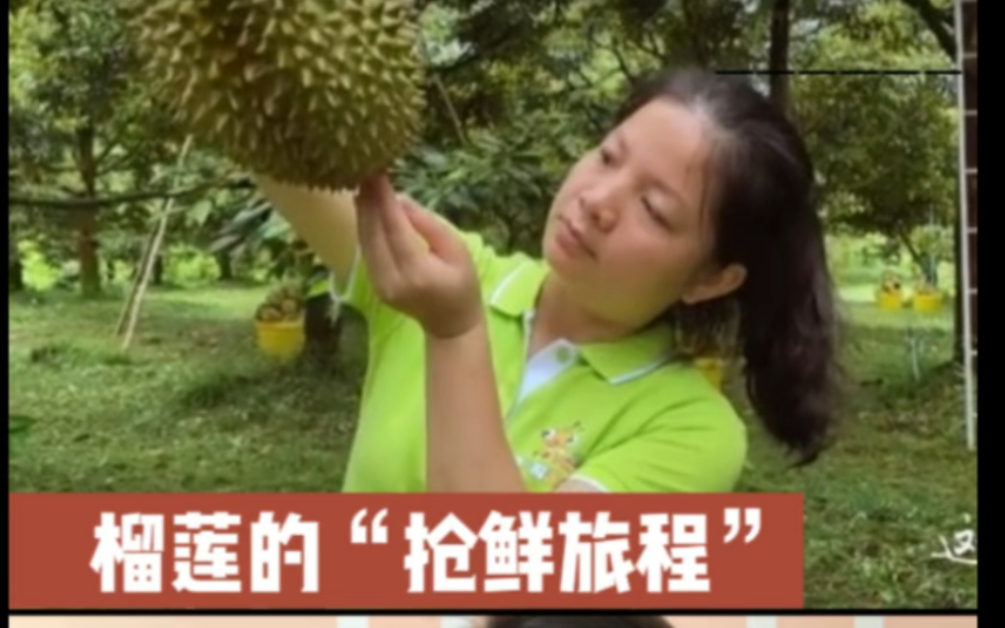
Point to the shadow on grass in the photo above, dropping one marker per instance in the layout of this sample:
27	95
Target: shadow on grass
71	309
313	386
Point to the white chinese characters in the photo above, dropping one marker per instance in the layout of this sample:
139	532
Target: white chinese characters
595	557
138	544
206	552
511	553
596	553
683	559
212	566
267	555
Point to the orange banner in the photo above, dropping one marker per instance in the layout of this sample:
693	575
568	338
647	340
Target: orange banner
405	552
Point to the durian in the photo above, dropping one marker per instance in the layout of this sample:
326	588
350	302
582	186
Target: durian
290	307
320	93
268	314
283	303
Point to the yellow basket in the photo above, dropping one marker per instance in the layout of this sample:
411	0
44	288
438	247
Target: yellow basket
713	368
890	300
282	340
928	302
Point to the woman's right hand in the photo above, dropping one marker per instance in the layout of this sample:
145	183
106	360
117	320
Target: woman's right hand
417	263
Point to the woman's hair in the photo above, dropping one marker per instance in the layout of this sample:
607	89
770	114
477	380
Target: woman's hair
577	621
762	199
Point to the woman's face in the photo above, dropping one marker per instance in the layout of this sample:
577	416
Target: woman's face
626	233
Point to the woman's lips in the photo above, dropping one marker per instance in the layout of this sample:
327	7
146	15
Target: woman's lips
571	238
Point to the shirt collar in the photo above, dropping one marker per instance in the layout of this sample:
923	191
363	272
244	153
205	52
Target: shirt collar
617	361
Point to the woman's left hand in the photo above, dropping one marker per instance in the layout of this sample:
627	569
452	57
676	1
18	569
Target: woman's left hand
417	263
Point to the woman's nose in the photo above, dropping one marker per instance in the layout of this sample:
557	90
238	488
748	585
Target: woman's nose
601	206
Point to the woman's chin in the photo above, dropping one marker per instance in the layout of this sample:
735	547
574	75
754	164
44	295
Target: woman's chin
557	259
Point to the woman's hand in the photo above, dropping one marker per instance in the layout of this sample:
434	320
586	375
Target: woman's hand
417	263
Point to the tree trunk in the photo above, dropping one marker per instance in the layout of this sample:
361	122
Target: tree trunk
939	22
87	253
778	55
87	221
15	271
918	259
321	334
158	274
225	266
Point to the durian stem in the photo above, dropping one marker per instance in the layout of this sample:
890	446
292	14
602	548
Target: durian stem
155	246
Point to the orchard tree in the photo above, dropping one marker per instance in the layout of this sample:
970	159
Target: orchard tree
885	140
82	127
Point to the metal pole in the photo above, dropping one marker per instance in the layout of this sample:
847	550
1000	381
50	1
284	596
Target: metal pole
968	358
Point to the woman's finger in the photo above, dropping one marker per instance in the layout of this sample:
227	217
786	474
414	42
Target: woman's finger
375	191
381	264
402	240
435	232
374	249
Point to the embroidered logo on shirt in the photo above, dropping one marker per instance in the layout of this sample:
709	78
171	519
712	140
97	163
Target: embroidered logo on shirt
556	459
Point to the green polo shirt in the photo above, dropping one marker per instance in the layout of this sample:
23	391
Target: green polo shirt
621	416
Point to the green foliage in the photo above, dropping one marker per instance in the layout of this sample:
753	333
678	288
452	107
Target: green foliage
72	72
531	84
884	144
931	246
500	182
255	226
81	127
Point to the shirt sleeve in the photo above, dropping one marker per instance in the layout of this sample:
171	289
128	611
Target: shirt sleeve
697	449
356	290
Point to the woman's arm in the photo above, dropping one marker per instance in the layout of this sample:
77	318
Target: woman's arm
326	221
467	449
421	267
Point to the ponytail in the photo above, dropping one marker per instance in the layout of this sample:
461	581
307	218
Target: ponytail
787	331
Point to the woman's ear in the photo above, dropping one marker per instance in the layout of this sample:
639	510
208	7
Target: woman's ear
717	284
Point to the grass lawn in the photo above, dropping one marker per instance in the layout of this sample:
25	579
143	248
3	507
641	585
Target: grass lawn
193	407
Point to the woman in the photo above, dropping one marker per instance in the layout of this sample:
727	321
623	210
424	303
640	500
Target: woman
504	373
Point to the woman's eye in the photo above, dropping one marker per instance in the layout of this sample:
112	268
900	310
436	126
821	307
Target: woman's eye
655	215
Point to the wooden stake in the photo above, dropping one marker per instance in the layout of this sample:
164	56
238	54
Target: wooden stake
127	307
155	245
